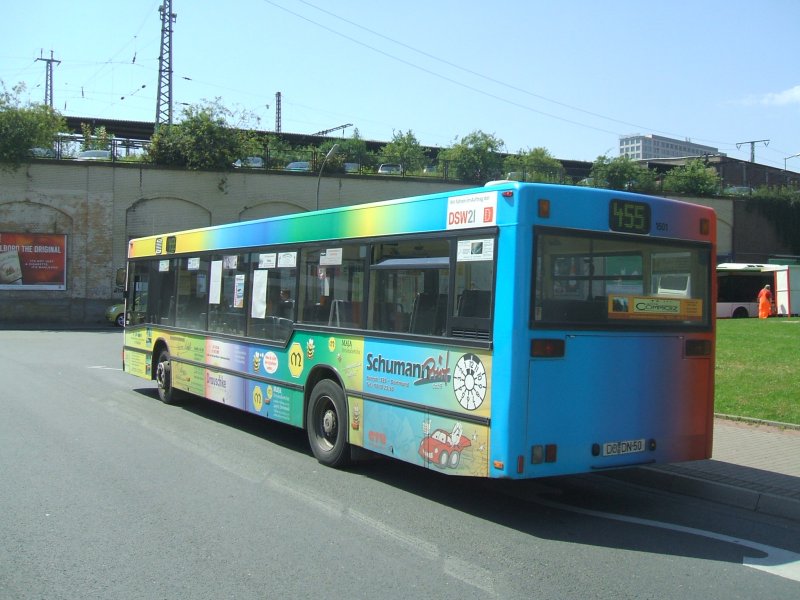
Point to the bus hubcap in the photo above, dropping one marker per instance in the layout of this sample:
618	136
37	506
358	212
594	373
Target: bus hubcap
329	423
161	374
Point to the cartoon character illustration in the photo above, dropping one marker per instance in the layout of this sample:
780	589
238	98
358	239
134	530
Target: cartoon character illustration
444	449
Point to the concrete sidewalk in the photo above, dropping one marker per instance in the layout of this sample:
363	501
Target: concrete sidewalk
753	466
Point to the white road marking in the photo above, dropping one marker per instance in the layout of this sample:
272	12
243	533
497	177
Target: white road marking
103	367
776	561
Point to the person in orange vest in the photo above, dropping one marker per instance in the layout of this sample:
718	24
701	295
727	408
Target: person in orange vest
765	302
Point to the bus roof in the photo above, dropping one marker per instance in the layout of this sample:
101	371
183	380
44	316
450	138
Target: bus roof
453	210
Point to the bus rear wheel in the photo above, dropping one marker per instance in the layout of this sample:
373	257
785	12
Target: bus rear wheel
166	392
326	421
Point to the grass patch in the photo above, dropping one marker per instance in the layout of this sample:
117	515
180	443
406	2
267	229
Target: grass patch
758	369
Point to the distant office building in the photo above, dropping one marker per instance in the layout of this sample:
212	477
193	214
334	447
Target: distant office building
643	147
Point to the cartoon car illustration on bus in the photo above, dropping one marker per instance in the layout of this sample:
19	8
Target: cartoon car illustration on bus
444	449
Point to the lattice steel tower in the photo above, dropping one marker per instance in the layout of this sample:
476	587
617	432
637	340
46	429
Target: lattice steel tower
164	99
278	112
48	82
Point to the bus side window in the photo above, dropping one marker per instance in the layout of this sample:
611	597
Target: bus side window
423	315
475	303
271	315
138	294
474	285
161	292
226	313
427	317
192	301
331	285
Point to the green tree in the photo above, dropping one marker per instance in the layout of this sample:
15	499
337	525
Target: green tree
334	163
534	165
355	150
168	146
278	150
476	158
95	139
203	140
405	149
622	173
694	178
24	127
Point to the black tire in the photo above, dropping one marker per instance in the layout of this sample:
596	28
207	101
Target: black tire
740	313
455	458
166	392
120	320
326	423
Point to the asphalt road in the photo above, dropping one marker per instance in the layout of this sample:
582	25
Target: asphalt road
107	493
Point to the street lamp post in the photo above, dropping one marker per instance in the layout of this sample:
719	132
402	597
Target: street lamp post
785	175
330	153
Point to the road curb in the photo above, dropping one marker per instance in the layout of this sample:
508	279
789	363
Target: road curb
753	421
714	491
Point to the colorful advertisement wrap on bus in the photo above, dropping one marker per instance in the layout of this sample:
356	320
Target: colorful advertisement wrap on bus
451	390
429	405
33	260
443	213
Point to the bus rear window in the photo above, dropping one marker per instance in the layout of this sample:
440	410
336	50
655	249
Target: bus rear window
607	281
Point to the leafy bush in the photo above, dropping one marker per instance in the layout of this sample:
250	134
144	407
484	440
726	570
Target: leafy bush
694	178
406	150
476	158
622	173
203	140
25	128
534	165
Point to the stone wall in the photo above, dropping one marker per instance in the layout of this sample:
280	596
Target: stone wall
100	206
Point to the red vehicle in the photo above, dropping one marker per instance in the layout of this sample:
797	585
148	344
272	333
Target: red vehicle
444	449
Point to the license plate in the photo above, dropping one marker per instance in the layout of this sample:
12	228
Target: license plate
624	447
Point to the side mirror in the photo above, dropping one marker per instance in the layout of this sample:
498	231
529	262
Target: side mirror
121	276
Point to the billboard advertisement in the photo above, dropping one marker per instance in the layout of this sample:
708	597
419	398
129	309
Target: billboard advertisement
33	260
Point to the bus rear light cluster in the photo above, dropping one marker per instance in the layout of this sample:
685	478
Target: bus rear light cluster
547	348
547	453
698	348
705	226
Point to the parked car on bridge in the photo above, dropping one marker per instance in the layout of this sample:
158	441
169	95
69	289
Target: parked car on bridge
390	169
250	162
94	155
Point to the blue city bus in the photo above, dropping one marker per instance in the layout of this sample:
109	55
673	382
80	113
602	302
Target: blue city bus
515	330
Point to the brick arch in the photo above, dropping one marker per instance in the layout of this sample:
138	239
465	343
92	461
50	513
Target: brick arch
269	209
34	217
148	216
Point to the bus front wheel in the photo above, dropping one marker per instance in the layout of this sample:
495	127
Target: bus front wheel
166	392
326	421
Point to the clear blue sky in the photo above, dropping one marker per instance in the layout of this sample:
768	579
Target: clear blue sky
570	76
